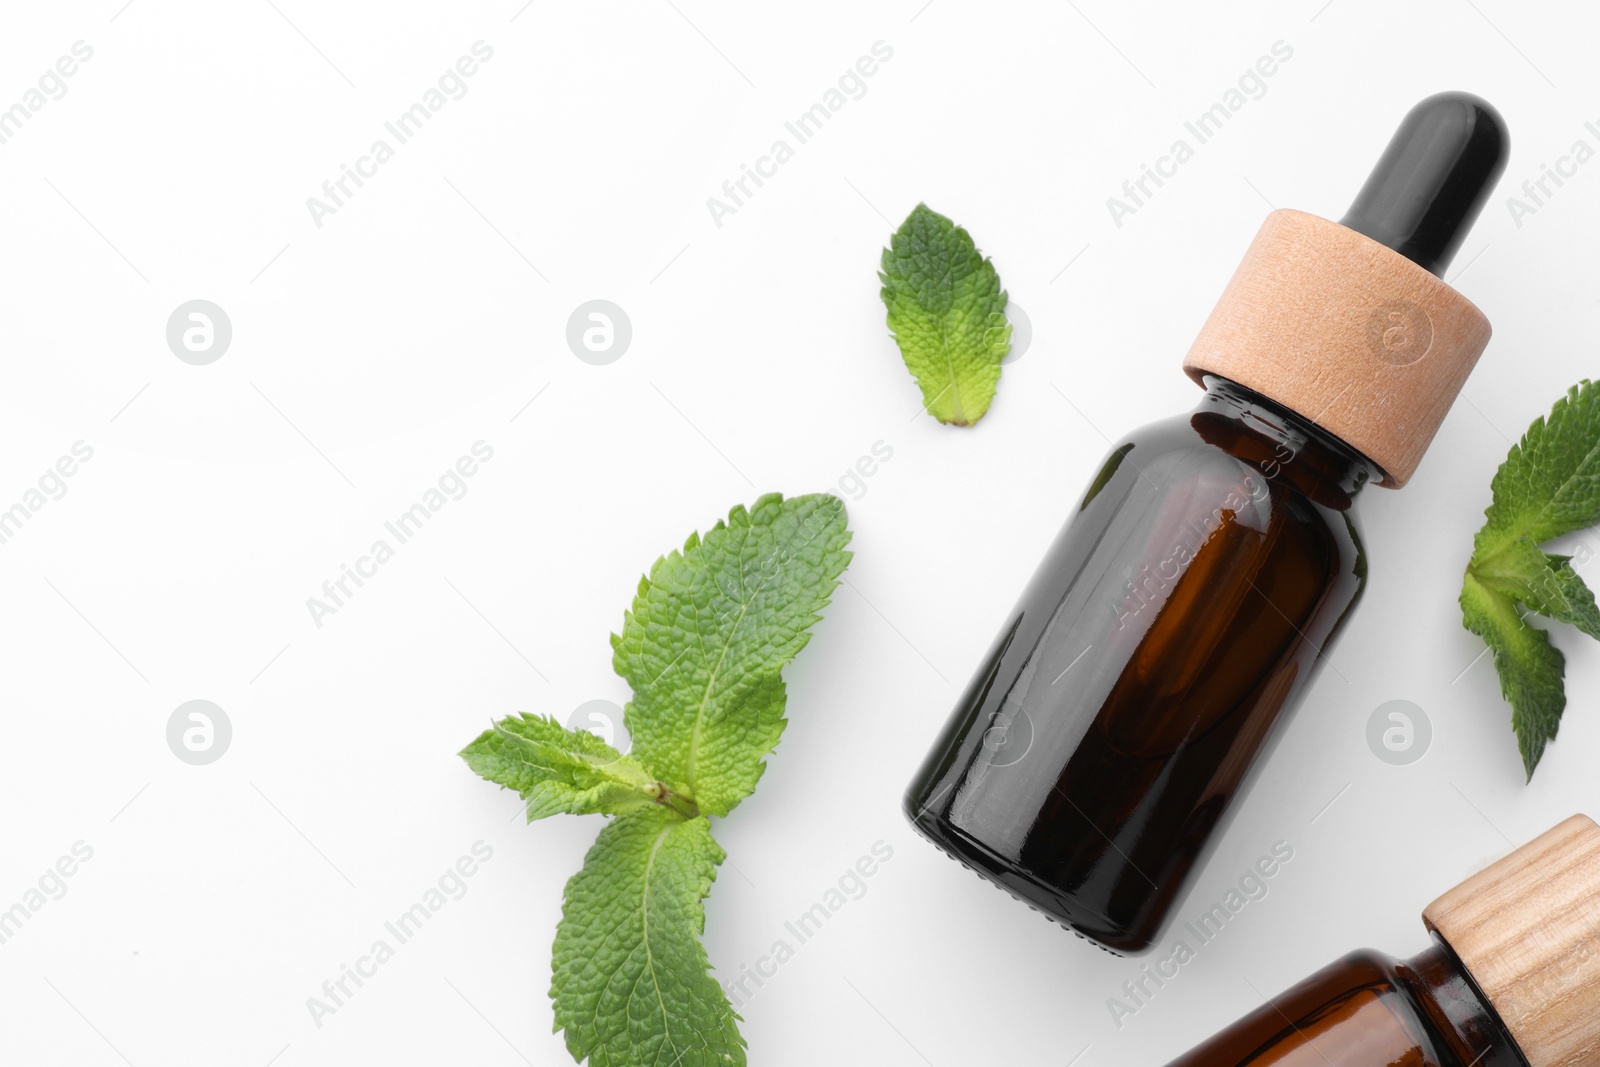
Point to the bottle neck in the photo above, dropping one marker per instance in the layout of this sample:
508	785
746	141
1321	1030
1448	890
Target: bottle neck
1283	443
1457	1009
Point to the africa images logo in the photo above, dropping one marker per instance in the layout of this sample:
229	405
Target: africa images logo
1399	332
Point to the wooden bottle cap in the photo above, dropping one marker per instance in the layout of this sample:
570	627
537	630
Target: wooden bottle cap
1346	332
1527	928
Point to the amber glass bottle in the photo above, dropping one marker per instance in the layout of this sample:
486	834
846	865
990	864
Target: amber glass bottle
1512	979
1211	560
1369	1010
1194	592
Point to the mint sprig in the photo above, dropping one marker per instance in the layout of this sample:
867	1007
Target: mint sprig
946	311
1548	486
703	647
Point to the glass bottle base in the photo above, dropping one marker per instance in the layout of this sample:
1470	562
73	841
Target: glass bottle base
1038	895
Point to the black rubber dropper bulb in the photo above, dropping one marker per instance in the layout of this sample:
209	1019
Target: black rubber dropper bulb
1433	179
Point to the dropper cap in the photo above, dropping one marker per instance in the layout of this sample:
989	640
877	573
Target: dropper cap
1527	928
1348	324
1432	180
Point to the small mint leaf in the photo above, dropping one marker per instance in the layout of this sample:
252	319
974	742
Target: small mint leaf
947	314
560	770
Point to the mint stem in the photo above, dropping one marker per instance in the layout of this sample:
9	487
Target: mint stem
677	802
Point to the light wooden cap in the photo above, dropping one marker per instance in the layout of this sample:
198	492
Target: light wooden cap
1527	928
1346	332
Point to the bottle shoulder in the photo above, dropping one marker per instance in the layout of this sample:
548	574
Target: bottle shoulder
1369	966
1196	455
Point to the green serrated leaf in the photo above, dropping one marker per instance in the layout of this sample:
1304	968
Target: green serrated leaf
947	314
632	985
1549	485
560	770
709	633
1529	666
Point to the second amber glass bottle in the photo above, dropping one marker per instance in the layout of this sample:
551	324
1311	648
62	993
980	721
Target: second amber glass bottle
1192	596
1512	979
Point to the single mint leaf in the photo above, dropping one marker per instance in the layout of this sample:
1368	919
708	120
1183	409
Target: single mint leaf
1550	483
559	770
1530	667
1544	582
947	314
709	633
632	985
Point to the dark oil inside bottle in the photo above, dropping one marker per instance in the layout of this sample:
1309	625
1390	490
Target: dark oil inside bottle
1368	1010
1186	605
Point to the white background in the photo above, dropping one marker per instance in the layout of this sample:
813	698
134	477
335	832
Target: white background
369	353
